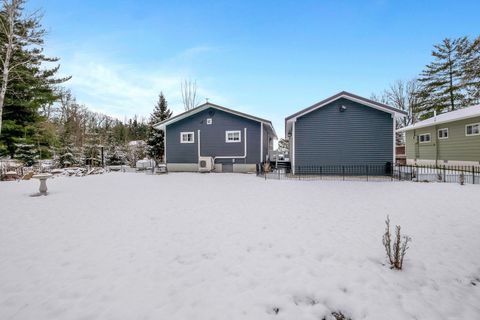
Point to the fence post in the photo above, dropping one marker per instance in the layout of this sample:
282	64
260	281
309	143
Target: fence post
343	171
444	175
473	175
366	170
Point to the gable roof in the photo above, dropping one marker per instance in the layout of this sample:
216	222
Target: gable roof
347	95
461	114
162	125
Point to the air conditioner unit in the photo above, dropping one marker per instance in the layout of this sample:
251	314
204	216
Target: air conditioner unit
205	164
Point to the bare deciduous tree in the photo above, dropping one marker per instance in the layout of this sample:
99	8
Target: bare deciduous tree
402	95
189	94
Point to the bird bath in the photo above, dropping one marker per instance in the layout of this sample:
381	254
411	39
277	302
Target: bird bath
43	182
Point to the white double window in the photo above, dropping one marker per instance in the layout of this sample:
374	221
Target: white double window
443	133
233	136
424	138
472	129
187	137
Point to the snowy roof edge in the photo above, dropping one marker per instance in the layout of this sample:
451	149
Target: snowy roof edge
457	115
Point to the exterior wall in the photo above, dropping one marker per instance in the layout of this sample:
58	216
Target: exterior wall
182	167
193	167
267	143
212	138
360	135
457	149
244	168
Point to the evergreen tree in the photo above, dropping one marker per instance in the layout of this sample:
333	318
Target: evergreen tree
471	67
116	156
91	150
67	157
27	81
443	88
26	153
155	136
283	145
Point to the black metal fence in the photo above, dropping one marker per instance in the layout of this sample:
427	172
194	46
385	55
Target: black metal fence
388	172
453	174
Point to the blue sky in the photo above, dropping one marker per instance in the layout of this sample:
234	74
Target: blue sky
268	58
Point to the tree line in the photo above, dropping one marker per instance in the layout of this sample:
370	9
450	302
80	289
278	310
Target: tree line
39	119
450	82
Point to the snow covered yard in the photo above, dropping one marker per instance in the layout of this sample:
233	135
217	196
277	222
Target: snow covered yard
233	246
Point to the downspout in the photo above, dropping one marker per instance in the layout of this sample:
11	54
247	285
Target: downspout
292	146
226	157
236	157
198	144
394	139
165	145
261	142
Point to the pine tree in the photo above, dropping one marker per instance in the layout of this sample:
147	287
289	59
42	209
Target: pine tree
91	150
443	88
283	145
26	153
155	136
116	156
67	157
27	81
471	67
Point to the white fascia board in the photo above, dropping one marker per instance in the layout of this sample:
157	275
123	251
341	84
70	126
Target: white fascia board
371	105
187	114
180	117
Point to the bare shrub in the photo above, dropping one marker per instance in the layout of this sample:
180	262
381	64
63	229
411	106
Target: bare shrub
462	179
395	251
266	169
337	315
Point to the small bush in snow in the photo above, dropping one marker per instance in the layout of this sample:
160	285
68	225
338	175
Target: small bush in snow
395	251
462	179
337	315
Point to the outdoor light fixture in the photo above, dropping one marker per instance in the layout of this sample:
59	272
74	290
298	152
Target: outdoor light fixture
342	109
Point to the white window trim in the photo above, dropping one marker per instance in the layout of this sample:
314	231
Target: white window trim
233	141
472	134
187	133
442	138
425	134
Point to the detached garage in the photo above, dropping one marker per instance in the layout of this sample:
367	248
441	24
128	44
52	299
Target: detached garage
343	130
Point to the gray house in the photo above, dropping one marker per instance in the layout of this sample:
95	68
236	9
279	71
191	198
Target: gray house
214	138
343	130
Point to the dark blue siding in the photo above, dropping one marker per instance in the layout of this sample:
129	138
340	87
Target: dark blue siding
360	135
267	140
213	138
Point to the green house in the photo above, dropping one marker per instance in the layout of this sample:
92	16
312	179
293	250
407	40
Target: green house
449	139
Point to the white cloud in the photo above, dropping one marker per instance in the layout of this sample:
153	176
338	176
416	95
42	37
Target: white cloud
124	90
